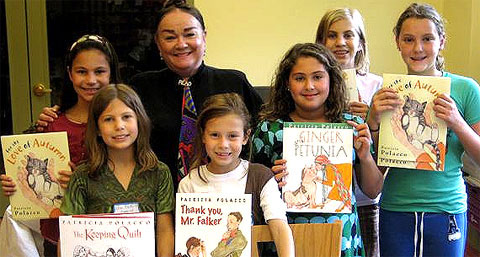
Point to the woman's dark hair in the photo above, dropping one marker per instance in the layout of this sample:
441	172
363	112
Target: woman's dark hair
69	97
182	5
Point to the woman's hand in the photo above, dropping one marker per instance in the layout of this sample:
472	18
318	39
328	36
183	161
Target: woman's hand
48	115
280	170
361	141
8	185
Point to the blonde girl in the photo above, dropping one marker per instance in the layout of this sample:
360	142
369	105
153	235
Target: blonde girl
342	31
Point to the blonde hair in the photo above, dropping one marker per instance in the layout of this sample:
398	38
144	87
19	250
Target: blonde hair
96	147
362	61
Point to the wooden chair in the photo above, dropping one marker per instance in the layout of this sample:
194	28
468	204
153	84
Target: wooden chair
311	239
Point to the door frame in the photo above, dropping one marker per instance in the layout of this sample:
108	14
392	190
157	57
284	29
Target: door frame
26	23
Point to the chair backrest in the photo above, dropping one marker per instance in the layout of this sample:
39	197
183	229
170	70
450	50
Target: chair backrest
311	239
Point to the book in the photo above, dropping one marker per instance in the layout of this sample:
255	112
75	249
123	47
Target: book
119	235
350	78
213	225
319	165
411	136
33	162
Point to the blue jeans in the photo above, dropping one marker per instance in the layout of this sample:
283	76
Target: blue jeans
422	234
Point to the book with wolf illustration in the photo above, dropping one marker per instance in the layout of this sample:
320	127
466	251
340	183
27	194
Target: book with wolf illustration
350	78
214	225
111	234
411	136
319	164
33	162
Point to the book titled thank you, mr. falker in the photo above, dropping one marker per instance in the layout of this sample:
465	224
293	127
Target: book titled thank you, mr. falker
210	224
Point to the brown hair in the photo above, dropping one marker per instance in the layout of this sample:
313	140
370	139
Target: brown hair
96	147
423	11
68	96
362	61
192	242
237	215
281	103
217	106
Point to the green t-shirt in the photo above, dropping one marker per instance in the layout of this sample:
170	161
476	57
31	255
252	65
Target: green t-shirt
410	190
151	189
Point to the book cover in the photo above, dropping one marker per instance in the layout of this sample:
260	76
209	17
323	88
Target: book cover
213	225
411	136
33	162
319	165
109	235
350	78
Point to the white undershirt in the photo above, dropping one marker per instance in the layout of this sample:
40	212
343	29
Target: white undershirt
234	182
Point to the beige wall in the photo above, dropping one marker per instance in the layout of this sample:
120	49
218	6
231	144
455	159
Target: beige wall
252	35
462	52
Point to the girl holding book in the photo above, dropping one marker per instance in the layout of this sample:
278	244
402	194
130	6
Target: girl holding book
223	128
91	63
423	213
308	87
342	31
122	170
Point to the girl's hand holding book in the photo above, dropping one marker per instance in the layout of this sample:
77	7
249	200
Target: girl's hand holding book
385	99
361	140
64	175
446	109
358	109
280	170
8	185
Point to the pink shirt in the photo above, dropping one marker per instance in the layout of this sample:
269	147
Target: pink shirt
368	85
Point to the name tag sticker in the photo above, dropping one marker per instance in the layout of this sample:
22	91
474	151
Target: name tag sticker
126	207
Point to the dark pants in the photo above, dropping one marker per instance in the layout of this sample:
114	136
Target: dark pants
422	234
368	216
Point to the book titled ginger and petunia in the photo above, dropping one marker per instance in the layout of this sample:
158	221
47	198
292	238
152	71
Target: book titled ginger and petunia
411	136
319	165
33	162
